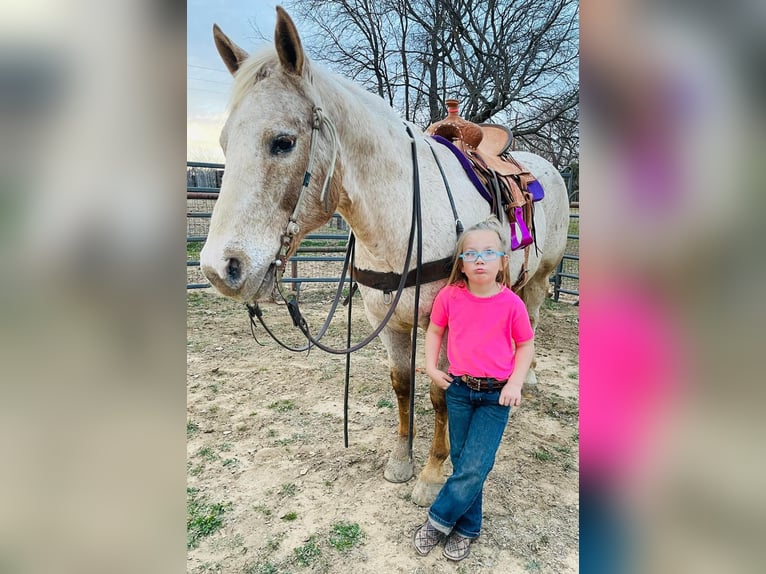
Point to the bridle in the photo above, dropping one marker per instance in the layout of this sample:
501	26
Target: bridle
292	229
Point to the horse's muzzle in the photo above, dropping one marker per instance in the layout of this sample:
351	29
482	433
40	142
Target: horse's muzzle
233	276
228	274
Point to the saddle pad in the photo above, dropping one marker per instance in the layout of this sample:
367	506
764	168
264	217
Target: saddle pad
466	166
534	187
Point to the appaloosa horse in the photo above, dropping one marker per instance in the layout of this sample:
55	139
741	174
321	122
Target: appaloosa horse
287	113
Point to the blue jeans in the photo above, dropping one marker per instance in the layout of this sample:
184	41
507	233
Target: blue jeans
476	426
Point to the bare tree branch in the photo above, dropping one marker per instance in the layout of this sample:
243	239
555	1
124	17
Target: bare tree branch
503	59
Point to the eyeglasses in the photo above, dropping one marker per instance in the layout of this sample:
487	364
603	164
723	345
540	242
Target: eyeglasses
486	255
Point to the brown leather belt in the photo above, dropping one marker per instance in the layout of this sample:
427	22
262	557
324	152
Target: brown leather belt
481	384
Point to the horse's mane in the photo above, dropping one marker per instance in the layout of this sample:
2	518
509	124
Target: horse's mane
260	64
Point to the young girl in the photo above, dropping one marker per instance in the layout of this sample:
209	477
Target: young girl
489	350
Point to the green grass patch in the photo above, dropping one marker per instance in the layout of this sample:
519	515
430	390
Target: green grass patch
202	517
191	427
207	453
287	441
263	509
308	553
563	409
282	406
265	568
288	489
290	516
385	404
542	455
345	536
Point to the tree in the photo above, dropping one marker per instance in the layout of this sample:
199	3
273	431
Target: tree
558	139
507	61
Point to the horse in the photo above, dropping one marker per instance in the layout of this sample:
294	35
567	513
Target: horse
362	167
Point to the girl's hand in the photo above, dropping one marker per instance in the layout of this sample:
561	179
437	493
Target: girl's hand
440	378
510	396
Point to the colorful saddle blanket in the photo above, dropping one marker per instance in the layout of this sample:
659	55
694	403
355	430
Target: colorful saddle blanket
502	181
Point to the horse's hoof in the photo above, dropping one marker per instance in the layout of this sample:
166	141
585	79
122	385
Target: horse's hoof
425	493
531	380
399	471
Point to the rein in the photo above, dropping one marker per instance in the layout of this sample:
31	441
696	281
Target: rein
292	229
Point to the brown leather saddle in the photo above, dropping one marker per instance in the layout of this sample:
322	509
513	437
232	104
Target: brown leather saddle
506	181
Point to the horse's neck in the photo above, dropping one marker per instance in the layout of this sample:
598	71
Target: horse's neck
377	177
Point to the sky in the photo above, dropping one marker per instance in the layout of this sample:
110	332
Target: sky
208	82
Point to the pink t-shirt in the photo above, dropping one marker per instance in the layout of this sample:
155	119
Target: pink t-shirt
482	330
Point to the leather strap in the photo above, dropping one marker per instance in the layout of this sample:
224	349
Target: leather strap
523	277
389	281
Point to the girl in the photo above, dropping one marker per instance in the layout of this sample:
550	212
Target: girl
489	350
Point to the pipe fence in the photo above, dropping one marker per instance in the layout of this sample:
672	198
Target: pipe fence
319	258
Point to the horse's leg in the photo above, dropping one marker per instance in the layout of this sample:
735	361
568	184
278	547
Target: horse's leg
399	467
432	478
533	294
399	346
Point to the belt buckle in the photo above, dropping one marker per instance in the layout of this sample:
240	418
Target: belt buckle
472	383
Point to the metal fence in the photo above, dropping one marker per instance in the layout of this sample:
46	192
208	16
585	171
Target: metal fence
319	258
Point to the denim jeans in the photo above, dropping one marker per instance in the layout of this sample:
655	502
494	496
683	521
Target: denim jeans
476	426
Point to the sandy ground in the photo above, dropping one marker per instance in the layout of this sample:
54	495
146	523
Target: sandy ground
265	442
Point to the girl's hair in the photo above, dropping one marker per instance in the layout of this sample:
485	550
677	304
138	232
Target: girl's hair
492	223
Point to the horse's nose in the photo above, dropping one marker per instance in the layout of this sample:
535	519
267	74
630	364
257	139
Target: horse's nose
228	276
233	272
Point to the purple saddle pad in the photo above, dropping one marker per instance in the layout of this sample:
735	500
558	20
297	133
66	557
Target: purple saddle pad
536	190
534	187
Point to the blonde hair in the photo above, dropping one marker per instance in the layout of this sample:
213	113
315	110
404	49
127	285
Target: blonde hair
492	223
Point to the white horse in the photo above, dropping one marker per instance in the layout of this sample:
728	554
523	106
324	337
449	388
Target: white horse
267	139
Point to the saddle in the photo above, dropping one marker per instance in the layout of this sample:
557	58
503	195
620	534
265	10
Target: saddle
507	185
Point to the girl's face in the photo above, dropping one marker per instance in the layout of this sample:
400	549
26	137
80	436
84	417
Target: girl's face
481	272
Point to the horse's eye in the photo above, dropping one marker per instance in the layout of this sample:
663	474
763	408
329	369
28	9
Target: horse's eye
282	144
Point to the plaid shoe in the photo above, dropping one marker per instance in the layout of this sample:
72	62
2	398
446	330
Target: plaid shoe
425	537
457	547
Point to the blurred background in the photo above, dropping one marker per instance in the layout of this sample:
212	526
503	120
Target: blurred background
92	393
671	278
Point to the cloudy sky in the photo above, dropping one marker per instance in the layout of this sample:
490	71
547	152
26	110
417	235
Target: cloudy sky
207	79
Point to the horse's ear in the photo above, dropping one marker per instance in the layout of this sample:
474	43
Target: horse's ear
288	44
231	54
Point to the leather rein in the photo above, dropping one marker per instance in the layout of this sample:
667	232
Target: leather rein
415	277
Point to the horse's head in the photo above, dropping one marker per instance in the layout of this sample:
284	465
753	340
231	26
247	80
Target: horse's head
267	140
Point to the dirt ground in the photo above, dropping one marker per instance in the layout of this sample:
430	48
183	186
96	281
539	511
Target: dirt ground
265	451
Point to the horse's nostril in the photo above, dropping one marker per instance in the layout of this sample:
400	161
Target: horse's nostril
233	271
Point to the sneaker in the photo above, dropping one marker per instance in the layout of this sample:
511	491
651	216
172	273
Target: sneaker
457	547
425	538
